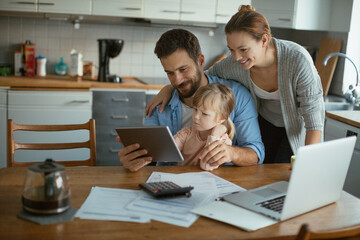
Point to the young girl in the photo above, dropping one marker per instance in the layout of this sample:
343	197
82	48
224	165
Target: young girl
212	105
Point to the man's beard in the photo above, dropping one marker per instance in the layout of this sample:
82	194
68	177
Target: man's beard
195	84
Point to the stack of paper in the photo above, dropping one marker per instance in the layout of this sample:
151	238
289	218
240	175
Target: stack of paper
138	206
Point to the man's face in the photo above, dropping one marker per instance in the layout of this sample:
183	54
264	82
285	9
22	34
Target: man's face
183	73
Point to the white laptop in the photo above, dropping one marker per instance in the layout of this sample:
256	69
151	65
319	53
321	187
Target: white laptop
316	180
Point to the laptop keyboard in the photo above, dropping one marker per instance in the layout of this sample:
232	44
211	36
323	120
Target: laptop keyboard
275	204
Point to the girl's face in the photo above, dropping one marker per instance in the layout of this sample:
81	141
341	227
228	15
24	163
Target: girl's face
205	119
245	49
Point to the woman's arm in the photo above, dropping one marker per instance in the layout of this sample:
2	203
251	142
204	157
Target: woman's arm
162	98
313	136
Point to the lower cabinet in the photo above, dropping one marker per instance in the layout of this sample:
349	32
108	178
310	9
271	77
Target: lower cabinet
3	127
112	109
50	107
335	129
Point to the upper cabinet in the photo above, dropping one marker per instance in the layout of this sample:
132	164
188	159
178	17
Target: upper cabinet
301	14
16	5
318	15
181	10
162	9
118	8
226	8
65	6
198	11
47	6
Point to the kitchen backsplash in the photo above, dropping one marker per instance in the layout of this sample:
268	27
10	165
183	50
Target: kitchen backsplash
55	39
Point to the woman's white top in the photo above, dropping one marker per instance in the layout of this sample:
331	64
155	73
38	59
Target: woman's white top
270	106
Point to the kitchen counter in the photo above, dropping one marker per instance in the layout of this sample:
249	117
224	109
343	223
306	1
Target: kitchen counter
53	82
350	117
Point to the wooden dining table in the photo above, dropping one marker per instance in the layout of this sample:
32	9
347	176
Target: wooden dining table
343	213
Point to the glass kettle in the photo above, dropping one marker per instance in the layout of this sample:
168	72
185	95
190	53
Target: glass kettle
46	188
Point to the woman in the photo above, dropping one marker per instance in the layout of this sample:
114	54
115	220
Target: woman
281	78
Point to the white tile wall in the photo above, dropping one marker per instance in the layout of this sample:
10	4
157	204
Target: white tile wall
55	39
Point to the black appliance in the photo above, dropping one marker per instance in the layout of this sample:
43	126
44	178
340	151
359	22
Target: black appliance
108	48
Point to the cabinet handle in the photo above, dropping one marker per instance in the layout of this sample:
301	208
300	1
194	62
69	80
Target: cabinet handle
170	11
222	15
187	12
119	116
80	101
114	150
284	19
131	9
28	3
47	4
120	99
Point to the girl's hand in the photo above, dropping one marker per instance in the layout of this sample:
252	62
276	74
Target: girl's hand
162	98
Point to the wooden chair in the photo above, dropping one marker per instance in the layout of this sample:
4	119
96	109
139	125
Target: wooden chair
91	143
346	233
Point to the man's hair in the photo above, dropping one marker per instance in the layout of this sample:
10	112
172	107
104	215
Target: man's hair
175	39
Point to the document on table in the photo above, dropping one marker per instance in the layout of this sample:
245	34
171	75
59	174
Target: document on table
109	204
138	206
199	180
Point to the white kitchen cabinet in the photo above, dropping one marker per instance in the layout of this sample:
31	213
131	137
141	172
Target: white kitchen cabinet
16	5
335	129
296	14
226	8
50	107
162	9
3	128
198	11
65	6
181	10
119	8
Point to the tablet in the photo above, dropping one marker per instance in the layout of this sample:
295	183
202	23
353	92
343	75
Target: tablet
158	140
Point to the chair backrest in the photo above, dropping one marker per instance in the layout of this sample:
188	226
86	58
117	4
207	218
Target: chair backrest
346	233
13	146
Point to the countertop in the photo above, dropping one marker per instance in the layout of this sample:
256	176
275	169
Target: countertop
53	82
350	117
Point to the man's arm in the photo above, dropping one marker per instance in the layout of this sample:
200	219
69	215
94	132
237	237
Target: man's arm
219	153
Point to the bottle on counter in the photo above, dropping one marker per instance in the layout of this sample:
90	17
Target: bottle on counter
76	69
61	68
41	66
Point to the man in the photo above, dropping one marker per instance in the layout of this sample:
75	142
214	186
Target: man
180	55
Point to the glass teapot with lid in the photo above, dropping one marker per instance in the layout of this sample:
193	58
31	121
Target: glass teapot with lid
46	188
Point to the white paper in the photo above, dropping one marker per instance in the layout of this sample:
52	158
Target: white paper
109	204
234	215
199	180
170	210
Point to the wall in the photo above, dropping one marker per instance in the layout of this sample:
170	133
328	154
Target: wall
55	39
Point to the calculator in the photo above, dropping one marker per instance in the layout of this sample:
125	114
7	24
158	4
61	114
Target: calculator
165	189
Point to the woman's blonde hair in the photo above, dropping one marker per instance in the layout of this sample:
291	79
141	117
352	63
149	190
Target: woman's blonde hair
220	99
250	21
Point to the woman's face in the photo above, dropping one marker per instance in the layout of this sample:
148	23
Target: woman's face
245	49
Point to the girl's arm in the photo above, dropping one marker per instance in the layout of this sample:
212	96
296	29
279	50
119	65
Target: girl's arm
162	98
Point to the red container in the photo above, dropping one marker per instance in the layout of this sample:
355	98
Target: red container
28	51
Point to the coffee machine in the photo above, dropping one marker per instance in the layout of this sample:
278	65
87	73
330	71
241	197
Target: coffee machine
108	48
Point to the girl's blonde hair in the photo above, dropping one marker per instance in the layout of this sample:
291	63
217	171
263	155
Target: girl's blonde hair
250	21
220	99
